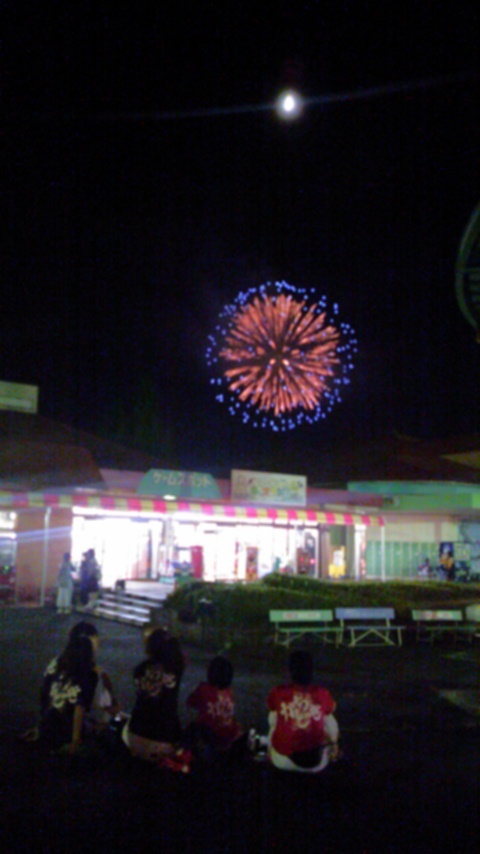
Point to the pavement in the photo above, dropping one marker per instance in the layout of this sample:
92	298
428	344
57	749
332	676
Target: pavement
408	782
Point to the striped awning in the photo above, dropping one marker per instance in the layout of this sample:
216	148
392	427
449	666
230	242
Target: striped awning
153	506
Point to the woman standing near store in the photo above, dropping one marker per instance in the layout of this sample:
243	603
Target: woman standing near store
65	585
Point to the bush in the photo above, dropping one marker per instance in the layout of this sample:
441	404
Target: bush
246	606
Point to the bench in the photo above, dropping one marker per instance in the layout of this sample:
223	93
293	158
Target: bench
472	616
435	624
295	624
368	627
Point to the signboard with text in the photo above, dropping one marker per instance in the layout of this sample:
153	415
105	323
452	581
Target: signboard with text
178	484
266	488
18	397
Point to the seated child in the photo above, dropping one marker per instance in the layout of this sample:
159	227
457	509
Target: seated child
67	694
215	728
303	731
153	731
104	705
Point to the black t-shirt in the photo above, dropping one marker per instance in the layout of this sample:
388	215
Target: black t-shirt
155	714
59	696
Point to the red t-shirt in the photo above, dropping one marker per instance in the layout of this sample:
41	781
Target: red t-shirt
300	714
216	710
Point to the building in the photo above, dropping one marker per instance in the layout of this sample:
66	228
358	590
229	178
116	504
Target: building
423	518
139	536
62	490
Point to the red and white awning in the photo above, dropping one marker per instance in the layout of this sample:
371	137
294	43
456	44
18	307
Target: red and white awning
154	506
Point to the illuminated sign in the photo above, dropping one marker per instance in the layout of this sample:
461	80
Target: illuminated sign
265	488
18	397
178	484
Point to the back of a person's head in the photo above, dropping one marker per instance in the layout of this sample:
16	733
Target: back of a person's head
77	659
149	629
155	644
220	672
300	665
83	629
173	658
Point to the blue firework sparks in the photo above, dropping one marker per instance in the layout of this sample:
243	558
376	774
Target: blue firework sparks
279	357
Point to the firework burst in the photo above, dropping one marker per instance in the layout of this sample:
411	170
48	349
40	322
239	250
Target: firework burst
279	357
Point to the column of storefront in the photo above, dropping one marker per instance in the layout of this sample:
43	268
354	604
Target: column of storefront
40	548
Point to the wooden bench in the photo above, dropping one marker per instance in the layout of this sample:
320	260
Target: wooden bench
368	627
435	624
295	624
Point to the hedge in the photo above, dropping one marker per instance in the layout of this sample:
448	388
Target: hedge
246	606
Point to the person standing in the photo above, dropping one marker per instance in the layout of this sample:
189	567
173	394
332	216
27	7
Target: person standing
90	577
65	585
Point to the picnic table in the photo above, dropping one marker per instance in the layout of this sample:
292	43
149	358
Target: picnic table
368	627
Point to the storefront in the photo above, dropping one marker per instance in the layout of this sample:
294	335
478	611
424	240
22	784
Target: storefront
136	537
217	542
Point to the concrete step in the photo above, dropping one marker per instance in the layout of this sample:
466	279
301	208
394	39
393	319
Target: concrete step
148	599
119	616
124	607
132	602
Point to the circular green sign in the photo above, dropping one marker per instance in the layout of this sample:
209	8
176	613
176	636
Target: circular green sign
467	273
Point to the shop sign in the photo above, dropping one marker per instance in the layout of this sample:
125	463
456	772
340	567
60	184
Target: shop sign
17	397
266	488
178	484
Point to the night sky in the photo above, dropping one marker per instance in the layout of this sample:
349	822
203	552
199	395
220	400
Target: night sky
139	200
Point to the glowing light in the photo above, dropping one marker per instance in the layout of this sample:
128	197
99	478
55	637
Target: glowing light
279	357
289	105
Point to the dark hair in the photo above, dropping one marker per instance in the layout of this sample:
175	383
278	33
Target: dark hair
220	672
165	651
300	665
149	628
173	658
77	658
155	644
83	630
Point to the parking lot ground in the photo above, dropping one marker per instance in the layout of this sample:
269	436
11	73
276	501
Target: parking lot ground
408	781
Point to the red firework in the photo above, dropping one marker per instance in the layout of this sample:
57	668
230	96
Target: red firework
279	355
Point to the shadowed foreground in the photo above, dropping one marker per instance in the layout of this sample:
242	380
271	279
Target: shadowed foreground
408	782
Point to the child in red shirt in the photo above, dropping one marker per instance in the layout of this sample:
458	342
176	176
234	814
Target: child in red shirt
215	728
303	730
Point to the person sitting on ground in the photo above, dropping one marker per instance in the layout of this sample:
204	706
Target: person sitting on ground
215	730
153	731
303	731
67	695
104	706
